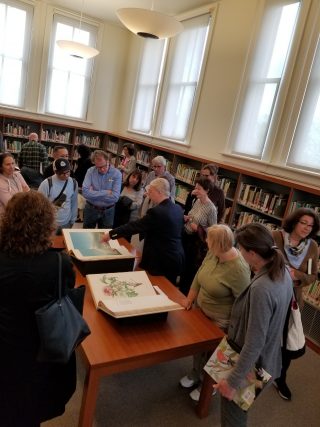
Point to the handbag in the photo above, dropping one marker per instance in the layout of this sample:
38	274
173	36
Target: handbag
222	363
294	339
60	324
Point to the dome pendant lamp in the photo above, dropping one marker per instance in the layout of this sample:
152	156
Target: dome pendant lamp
149	23
76	49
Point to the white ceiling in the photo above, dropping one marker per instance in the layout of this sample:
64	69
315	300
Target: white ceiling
106	9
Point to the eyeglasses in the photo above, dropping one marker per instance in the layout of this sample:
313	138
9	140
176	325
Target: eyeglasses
305	224
102	167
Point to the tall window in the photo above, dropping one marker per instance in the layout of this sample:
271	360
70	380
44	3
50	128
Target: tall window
15	33
168	80
305	148
69	78
256	107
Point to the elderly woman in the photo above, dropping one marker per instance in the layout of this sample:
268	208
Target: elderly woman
221	278
11	181
257	317
31	392
202	215
161	228
301	254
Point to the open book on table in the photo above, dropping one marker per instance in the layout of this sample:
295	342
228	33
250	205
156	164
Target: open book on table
86	245
128	294
222	363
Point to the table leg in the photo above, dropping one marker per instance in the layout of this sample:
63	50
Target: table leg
202	408
89	398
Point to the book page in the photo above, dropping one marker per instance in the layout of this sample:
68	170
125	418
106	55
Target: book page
129	307
131	284
87	245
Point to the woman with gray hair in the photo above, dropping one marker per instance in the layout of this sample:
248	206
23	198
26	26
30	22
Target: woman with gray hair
161	228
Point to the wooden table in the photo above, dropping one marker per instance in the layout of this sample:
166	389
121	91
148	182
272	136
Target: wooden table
115	346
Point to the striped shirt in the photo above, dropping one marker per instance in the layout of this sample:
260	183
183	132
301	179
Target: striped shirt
204	214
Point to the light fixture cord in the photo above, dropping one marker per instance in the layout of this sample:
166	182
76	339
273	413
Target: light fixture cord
81	15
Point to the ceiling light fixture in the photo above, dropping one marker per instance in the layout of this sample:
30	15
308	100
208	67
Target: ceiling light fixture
149	23
77	49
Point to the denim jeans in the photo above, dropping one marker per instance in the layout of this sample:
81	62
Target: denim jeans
231	414
93	217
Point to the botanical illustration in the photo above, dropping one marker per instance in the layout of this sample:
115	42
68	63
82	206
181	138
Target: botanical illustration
220	365
115	287
90	244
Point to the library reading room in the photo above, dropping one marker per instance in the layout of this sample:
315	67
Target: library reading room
159	213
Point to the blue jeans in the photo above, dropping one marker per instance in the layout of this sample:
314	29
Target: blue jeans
93	217
231	414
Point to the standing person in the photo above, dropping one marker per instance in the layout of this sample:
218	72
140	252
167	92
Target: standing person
128	163
101	189
158	165
216	194
221	278
161	228
59	152
31	392
202	215
127	207
83	163
257	317
11	181
301	254
33	159
62	191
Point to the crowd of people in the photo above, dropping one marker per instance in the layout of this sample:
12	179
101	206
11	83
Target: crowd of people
244	281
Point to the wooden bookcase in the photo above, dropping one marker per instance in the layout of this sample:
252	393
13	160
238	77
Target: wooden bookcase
250	195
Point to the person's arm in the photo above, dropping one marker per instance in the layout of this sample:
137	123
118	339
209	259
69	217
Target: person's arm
24	185
44	188
74	203
130	166
301	276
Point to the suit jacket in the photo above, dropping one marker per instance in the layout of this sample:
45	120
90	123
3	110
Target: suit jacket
161	228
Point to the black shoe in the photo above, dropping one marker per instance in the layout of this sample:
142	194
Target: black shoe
283	389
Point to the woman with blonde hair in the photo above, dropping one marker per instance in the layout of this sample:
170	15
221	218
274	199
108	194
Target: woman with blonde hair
222	276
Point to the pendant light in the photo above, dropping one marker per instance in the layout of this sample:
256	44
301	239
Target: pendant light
77	49
149	23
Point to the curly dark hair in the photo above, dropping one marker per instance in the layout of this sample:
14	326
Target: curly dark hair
3	156
27	225
136	173
292	220
130	148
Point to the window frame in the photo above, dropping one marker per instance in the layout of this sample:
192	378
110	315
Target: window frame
211	11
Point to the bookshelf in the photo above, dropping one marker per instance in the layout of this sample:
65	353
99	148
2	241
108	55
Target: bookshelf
250	195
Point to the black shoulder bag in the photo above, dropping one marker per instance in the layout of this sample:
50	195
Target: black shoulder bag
60	324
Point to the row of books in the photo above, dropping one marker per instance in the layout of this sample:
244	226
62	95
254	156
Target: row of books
248	217
91	141
187	173
53	135
112	147
182	193
143	157
14	129
228	186
262	200
312	293
13	146
302	204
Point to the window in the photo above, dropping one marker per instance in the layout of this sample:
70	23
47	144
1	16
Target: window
169	75
69	78
257	103
15	33
305	149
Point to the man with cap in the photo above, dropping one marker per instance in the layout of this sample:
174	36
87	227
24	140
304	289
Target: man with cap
33	159
62	191
59	152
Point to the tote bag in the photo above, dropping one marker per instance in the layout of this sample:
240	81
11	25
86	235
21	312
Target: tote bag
61	327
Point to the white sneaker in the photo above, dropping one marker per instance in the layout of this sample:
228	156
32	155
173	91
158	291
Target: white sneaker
195	394
187	382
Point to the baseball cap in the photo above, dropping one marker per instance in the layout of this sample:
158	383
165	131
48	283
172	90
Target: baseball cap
61	165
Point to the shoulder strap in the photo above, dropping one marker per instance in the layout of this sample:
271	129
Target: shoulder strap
62	190
50	183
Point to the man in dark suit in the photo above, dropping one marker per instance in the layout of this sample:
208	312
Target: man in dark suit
161	228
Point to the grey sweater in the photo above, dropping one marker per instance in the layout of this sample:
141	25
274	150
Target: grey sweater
256	325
